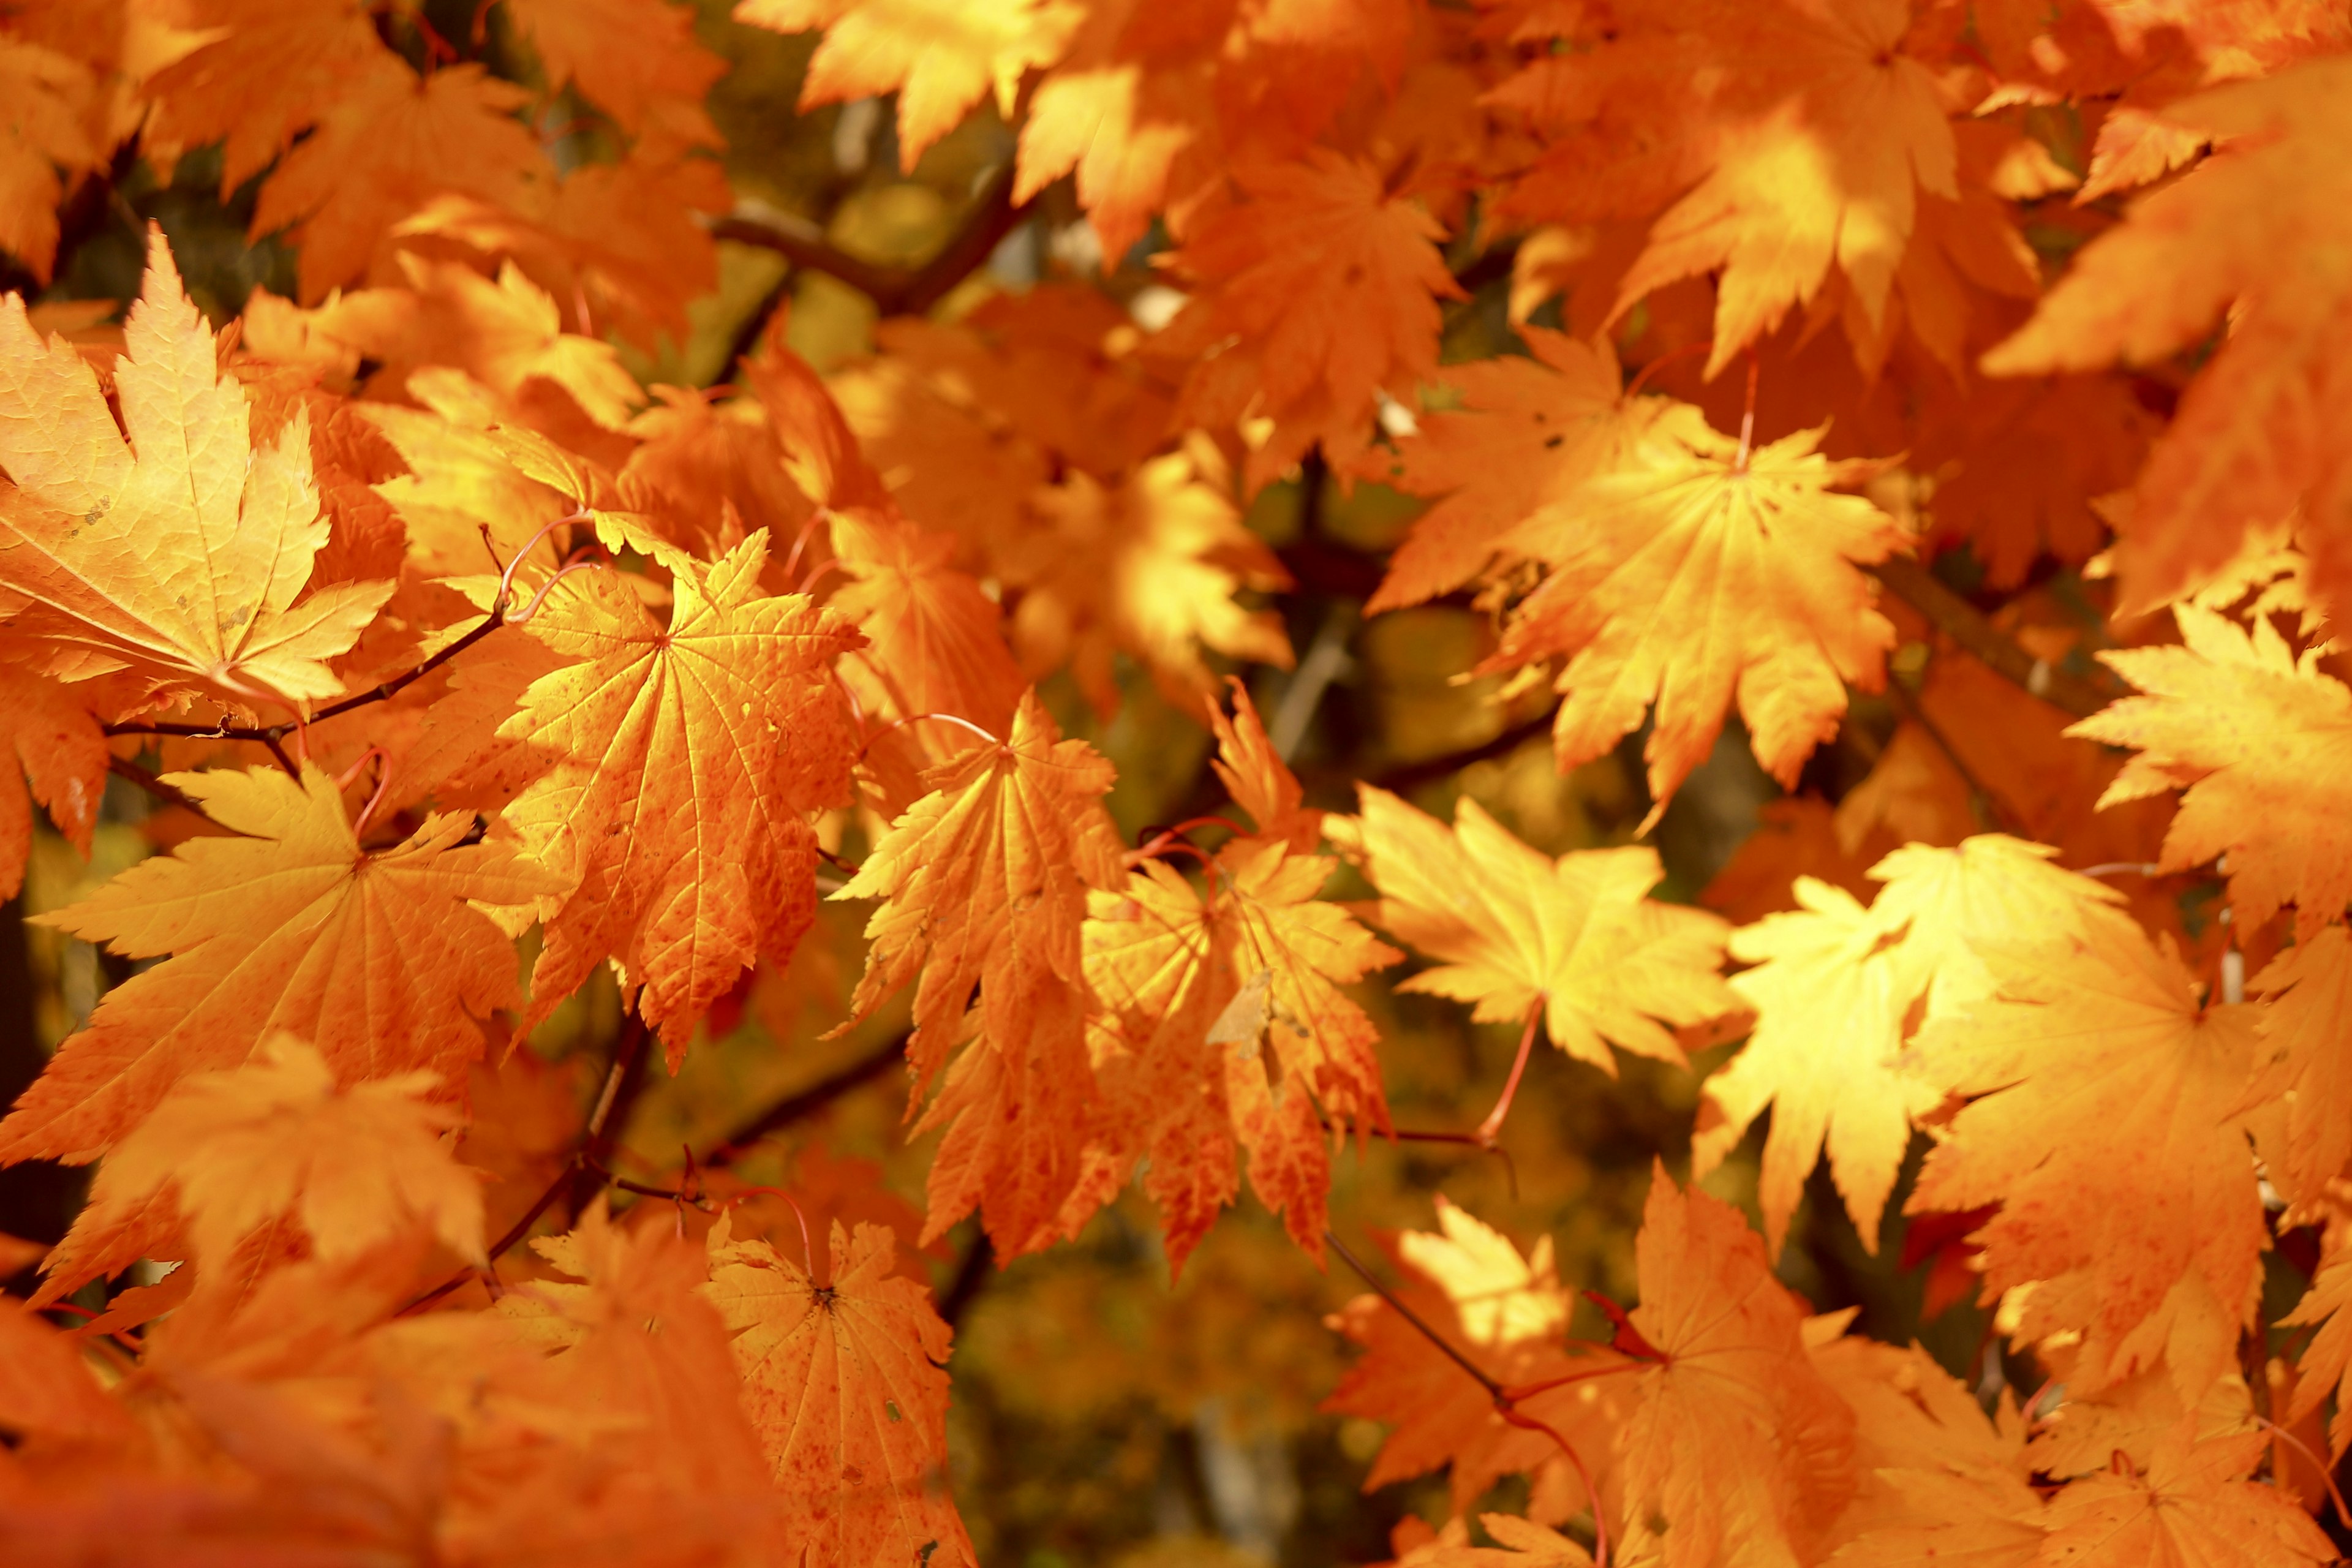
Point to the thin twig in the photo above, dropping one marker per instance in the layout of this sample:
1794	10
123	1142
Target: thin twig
169	793
803	1102
1960	620
270	734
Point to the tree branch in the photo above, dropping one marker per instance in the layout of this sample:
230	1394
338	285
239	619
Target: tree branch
270	734
170	794
895	291
805	1102
1960	620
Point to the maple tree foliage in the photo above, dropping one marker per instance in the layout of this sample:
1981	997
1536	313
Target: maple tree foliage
757	753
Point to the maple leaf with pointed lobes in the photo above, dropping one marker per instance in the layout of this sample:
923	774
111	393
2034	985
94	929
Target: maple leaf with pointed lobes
1318	291
2196	1504
1257	778
1736	1451
1788	139
1197	986
2324	1366
2147	1239
356	1167
391	142
2261	430
625	55
1838	989
1150	569
983	883
667	777
182	555
1518	930
382	958
59	761
263	72
846	1382
2255	739
49	96
939	57
2305	1025
1507	1313
935	643
1528	433
1759	554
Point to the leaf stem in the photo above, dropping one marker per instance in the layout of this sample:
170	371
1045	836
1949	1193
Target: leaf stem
1490	1129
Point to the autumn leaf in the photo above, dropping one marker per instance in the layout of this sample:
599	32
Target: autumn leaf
2257	434
1258	779
2147	1239
355	1167
180	556
1780	140
384	959
1528	433
1517	930
1758	551
50	94
1838	990
46	1389
1737	1450
266	73
2307	992
666	775
935	642
59	763
939	57
2252	736
1523	1544
625	55
2196	1502
845	1383
1319	292
984	883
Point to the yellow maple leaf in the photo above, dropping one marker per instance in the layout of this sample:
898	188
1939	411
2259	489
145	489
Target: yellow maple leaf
1528	433
846	1383
1756	551
1519	931
2147	1239
2253	738
1838	989
181	555
2307	1012
2260	431
939	57
667	775
356	1167
384	959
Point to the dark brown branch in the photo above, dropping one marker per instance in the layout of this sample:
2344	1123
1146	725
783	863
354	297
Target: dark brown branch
270	734
623	1083
895	291
170	794
970	1279
1961	621
1494	1390
805	1102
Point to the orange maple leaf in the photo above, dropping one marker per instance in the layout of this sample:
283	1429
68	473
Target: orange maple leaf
1735	1443
2147	1239
233	1151
939	57
625	55
180	556
59	761
50	95
983	883
1574	941
934	639
1837	990
1787	139
262	72
1529	433
846	1383
1757	550
382	958
2196	1503
2254	738
667	777
1319	292
2261	430
2305	1022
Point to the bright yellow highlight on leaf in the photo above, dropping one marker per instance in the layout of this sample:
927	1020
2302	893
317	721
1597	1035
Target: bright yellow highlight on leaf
1517	931
1699	578
1838	990
180	555
2259	742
